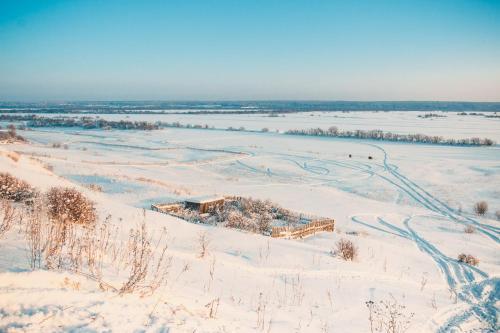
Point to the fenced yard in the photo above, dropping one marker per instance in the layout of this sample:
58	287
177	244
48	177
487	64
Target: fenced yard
249	214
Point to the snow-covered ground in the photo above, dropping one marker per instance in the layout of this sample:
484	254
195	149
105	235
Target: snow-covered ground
406	210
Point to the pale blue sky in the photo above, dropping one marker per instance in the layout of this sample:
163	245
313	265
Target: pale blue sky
238	49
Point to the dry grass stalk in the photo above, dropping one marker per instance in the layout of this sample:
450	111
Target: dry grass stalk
36	233
388	316
212	307
203	244
161	264
211	274
261	311
140	253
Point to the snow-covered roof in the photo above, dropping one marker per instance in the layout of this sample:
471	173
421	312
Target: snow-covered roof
205	199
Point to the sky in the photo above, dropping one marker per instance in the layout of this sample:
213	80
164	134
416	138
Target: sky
250	50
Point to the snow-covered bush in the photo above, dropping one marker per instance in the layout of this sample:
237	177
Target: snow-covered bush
346	249
481	207
68	205
12	188
468	259
235	219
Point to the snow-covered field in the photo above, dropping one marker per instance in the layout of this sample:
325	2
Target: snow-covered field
449	124
405	209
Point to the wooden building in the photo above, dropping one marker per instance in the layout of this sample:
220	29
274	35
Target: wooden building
204	204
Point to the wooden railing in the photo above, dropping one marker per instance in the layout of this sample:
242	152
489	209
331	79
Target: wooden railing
304	230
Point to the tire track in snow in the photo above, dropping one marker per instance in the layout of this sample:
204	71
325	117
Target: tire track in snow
480	296
433	203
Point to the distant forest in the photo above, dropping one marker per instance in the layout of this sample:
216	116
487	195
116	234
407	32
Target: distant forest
237	107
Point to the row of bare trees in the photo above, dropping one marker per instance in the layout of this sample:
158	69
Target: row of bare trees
333	131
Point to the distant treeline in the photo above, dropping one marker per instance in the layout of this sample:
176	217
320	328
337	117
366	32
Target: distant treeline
333	131
84	122
216	107
34	120
389	136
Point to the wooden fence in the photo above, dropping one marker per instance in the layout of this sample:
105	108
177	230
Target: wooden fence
304	230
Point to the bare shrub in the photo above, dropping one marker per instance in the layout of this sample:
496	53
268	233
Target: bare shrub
468	259
8	214
497	215
70	206
91	248
12	188
481	207
346	249
203	243
388	316
470	229
70	214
